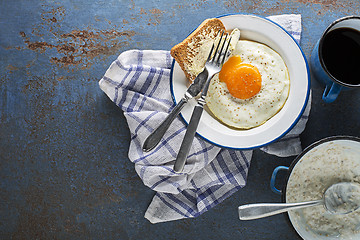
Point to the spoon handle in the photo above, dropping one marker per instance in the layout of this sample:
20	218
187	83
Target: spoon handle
260	210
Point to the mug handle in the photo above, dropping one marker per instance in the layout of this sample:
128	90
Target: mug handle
331	92
273	178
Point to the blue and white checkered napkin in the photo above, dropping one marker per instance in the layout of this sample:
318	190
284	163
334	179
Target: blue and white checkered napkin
139	83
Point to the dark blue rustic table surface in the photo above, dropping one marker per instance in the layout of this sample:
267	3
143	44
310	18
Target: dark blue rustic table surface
63	144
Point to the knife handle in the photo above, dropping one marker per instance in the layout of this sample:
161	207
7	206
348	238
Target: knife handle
189	136
154	138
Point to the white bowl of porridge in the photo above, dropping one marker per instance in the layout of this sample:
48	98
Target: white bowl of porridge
326	162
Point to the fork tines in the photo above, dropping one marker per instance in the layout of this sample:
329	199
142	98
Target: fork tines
223	39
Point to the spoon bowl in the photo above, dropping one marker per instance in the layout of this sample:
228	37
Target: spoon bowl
342	198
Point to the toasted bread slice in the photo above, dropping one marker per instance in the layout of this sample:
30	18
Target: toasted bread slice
192	52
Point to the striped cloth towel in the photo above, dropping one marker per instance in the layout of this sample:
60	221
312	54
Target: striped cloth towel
138	82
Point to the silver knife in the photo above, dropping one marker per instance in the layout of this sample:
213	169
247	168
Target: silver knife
213	66
194	89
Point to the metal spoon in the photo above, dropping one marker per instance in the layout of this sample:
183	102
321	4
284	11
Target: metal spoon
339	198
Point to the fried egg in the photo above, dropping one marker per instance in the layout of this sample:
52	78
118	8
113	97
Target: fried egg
252	86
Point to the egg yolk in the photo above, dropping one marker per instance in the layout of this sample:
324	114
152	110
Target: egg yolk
242	79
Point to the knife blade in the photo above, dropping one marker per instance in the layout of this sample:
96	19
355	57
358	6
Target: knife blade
193	90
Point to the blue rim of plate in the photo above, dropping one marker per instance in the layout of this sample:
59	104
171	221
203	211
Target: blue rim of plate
298	117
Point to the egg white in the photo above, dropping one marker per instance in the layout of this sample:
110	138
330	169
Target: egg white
252	112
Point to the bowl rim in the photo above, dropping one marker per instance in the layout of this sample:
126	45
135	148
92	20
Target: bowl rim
301	112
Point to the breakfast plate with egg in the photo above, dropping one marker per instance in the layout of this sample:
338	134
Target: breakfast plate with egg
261	91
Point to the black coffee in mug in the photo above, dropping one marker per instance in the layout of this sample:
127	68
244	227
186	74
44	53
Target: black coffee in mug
340	53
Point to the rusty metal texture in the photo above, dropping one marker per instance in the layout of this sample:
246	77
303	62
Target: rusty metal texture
63	145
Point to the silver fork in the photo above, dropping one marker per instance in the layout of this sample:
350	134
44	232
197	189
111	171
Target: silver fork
213	65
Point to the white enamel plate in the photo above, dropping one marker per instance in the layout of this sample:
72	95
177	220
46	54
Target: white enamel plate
267	32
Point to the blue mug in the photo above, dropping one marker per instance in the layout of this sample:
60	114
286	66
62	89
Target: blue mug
328	62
